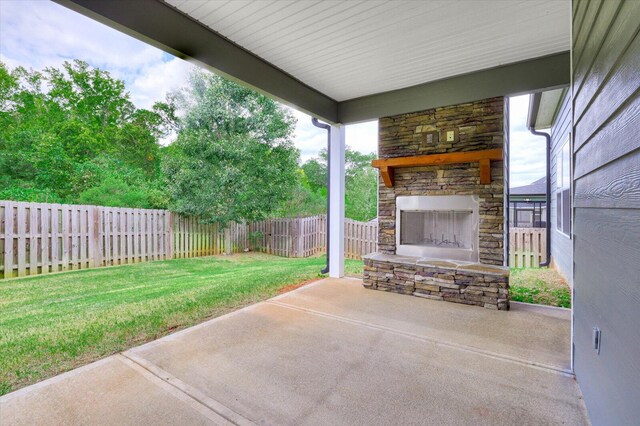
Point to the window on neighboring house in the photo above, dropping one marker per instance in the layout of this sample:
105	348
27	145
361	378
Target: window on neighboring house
563	189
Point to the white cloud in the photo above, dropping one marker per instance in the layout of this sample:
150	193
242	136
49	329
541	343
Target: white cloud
40	34
308	138
153	81
362	137
527	152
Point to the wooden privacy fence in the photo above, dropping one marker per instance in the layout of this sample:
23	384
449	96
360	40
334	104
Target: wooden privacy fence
39	238
527	247
360	238
297	237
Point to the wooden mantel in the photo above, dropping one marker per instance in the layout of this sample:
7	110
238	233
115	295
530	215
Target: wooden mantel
387	165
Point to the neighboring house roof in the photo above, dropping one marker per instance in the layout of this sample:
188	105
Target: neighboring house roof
538	187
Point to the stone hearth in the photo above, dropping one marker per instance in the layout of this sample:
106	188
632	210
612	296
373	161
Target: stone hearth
474	126
451	281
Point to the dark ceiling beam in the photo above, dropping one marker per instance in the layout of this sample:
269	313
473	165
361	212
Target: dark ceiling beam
162	26
533	75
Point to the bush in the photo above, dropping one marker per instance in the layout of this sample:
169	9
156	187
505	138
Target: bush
27	193
114	193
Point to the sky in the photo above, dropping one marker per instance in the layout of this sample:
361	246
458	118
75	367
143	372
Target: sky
38	34
527	152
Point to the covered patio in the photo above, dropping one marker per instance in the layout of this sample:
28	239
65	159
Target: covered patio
335	352
350	62
330	352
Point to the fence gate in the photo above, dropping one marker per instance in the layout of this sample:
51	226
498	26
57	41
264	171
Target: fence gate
527	247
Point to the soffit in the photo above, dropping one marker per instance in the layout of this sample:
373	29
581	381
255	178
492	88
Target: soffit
350	49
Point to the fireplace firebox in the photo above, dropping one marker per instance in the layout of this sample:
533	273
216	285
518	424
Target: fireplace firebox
441	226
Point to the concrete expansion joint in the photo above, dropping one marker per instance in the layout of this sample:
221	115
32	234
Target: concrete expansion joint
221	414
501	357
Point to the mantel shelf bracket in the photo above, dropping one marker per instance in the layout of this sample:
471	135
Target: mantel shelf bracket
484	158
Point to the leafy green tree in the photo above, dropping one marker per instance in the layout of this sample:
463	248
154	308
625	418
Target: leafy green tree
304	201
315	170
234	158
361	184
114	193
115	177
361	195
57	124
73	135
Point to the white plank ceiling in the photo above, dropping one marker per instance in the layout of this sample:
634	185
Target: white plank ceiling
349	49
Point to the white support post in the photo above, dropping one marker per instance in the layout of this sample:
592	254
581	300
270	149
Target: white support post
336	190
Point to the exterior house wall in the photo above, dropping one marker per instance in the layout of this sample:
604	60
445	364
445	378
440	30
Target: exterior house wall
606	151
561	244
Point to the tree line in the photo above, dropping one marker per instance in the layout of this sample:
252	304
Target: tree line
73	135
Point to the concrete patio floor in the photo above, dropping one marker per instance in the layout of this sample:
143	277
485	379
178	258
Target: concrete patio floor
328	353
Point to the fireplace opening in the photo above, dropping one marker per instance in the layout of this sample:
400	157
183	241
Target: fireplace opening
437	228
444	227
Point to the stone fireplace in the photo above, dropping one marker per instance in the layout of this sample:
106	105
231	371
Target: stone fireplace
441	206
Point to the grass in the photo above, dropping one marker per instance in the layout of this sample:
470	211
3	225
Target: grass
541	286
53	323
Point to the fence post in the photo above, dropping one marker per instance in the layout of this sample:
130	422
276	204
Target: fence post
44	238
94	237
22	238
8	239
33	238
300	222
227	240
169	233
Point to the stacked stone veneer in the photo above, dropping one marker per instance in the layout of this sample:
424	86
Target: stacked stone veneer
451	281
480	125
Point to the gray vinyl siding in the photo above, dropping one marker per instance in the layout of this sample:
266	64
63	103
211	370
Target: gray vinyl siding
561	244
606	129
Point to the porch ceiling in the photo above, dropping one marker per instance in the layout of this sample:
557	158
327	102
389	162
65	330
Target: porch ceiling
350	61
350	49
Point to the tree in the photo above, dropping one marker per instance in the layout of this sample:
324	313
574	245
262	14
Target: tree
304	201
315	170
114	193
361	184
108	181
234	158
361	195
58	125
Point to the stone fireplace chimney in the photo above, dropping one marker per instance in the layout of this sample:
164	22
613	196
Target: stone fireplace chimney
441	230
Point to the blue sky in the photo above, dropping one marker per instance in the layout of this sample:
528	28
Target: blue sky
37	34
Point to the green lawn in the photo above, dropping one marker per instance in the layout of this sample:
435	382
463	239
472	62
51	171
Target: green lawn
52	323
541	286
